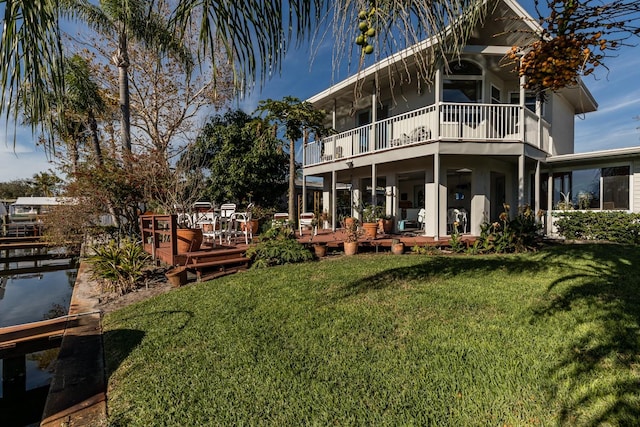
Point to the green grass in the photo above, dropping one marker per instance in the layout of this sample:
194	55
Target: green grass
550	338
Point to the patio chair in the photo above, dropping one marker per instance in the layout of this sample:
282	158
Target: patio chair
307	220
242	219
280	218
222	223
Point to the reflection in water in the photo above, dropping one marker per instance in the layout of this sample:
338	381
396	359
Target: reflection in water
36	295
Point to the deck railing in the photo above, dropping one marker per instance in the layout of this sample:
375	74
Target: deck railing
443	121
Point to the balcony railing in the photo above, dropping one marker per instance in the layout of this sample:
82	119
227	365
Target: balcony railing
444	121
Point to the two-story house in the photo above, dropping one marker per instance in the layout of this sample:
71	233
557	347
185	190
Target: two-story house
472	141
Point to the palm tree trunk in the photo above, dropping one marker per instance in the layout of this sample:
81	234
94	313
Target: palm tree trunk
122	62
292	183
93	126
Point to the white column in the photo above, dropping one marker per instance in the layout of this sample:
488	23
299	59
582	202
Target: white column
374	180
334	195
436	186
520	182
549	202
536	205
374	118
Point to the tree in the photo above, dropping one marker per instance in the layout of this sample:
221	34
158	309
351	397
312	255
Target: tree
166	100
575	40
243	158
45	184
16	188
294	118
131	19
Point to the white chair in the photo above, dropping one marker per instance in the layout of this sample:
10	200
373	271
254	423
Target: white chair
307	219
242	219
457	218
462	219
422	213
280	218
222	224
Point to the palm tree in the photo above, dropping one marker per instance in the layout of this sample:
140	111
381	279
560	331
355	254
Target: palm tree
131	19
254	34
296	118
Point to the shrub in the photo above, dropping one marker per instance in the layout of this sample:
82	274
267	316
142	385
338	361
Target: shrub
614	226
278	246
119	266
520	234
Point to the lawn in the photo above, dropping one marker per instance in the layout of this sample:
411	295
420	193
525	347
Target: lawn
550	338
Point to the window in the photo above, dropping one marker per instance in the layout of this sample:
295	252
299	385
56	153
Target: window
463	84
495	95
615	188
529	100
606	189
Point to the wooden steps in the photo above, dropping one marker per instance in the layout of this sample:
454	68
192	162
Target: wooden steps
222	260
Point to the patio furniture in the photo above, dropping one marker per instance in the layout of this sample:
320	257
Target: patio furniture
242	219
307	220
280	218
222	224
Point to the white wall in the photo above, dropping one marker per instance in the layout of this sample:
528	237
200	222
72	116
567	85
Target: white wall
562	125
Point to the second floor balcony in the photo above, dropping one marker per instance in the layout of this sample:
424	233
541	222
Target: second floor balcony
445	121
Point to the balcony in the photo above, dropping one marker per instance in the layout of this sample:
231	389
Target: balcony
440	122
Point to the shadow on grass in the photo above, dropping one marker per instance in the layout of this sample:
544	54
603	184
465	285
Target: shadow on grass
598	371
441	266
596	379
119	343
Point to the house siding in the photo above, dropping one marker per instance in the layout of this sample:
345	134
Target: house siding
562	125
635	186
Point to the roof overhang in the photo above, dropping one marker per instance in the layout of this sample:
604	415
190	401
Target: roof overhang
594	156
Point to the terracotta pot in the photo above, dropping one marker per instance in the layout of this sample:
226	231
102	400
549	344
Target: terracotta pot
387	225
348	222
254	224
189	239
320	250
397	248
177	276
350	248
370	229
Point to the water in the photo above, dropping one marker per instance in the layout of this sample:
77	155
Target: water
35	295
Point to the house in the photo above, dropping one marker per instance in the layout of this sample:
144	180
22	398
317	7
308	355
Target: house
472	141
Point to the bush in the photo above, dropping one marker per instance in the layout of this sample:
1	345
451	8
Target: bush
278	246
520	234
119	266
613	226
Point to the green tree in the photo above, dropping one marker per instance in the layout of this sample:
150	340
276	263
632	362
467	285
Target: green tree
244	159
294	119
16	188
46	184
131	19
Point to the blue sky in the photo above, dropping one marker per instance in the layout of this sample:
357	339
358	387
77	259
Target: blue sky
617	92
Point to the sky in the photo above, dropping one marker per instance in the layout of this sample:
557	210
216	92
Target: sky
616	90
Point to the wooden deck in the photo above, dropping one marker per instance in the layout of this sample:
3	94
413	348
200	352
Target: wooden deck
212	260
335	240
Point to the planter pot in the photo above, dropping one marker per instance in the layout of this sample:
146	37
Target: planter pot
370	229
349	222
177	276
189	239
350	248
387	225
320	250
254	224
397	248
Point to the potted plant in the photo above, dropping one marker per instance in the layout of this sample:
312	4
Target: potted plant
397	247
352	233
386	224
370	216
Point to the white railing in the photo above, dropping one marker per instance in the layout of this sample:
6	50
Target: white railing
444	121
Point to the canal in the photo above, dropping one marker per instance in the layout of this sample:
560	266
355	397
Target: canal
35	285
